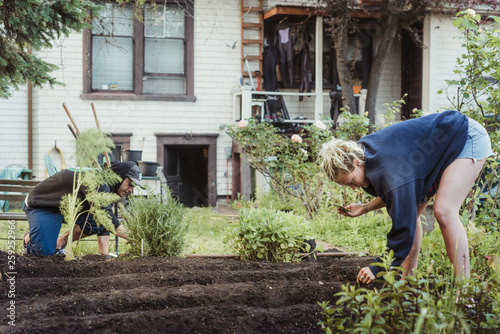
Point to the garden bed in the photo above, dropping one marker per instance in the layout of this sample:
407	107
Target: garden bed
171	295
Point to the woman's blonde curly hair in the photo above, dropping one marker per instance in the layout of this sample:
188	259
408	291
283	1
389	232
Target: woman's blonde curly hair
338	156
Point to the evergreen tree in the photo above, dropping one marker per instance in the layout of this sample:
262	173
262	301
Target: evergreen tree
35	24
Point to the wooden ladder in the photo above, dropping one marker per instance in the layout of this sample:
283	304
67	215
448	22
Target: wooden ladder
252	32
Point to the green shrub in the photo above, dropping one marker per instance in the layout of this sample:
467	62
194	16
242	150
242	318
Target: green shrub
424	303
268	235
155	225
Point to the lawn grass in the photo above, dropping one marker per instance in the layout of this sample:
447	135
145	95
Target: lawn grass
20	228
207	229
204	236
366	233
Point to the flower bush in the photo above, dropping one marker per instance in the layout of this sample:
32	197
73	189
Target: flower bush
296	139
289	163
243	123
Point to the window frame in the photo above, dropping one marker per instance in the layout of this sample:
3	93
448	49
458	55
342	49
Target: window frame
138	63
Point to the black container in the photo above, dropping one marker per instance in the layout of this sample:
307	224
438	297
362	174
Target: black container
148	168
130	155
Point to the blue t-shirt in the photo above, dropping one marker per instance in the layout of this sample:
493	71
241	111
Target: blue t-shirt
403	162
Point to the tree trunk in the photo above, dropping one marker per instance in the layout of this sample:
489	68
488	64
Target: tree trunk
383	50
345	75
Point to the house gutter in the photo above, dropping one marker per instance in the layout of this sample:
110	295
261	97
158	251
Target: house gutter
30	121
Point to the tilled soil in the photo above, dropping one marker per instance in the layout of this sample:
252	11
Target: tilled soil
169	295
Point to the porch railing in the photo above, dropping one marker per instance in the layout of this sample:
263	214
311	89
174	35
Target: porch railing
245	98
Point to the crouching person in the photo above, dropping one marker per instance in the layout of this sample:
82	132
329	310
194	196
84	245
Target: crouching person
45	218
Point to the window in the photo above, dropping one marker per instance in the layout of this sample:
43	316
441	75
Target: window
140	59
112	49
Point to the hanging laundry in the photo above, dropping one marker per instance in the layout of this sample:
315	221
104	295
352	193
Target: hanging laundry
285	39
270	58
305	60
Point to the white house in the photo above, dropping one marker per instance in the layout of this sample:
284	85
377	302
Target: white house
170	85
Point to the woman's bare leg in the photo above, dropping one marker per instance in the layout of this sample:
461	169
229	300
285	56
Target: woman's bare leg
411	261
456	182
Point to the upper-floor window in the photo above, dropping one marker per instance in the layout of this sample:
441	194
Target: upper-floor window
140	53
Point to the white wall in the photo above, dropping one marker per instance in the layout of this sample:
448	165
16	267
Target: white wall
390	81
216	71
440	58
14	129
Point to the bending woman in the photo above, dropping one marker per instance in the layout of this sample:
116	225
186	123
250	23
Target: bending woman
404	166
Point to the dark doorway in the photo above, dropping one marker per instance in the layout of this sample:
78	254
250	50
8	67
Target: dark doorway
190	166
186	170
411	81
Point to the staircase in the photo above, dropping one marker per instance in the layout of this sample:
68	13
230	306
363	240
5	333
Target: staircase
252	25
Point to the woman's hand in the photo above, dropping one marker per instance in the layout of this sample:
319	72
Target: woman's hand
366	276
356	209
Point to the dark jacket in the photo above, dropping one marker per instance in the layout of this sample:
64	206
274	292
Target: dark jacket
403	161
48	193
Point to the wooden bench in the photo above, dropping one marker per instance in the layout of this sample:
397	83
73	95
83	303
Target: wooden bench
15	191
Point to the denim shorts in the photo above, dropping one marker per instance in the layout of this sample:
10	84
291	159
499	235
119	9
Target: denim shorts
478	144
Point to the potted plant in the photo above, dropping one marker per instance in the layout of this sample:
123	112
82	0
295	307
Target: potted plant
356	85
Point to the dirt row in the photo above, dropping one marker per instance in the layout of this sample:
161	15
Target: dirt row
171	295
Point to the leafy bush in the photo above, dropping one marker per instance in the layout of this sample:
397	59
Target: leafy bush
424	303
268	235
476	92
155	225
353	126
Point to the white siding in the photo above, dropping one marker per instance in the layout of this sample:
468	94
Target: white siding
14	129
389	89
216	72
440	53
